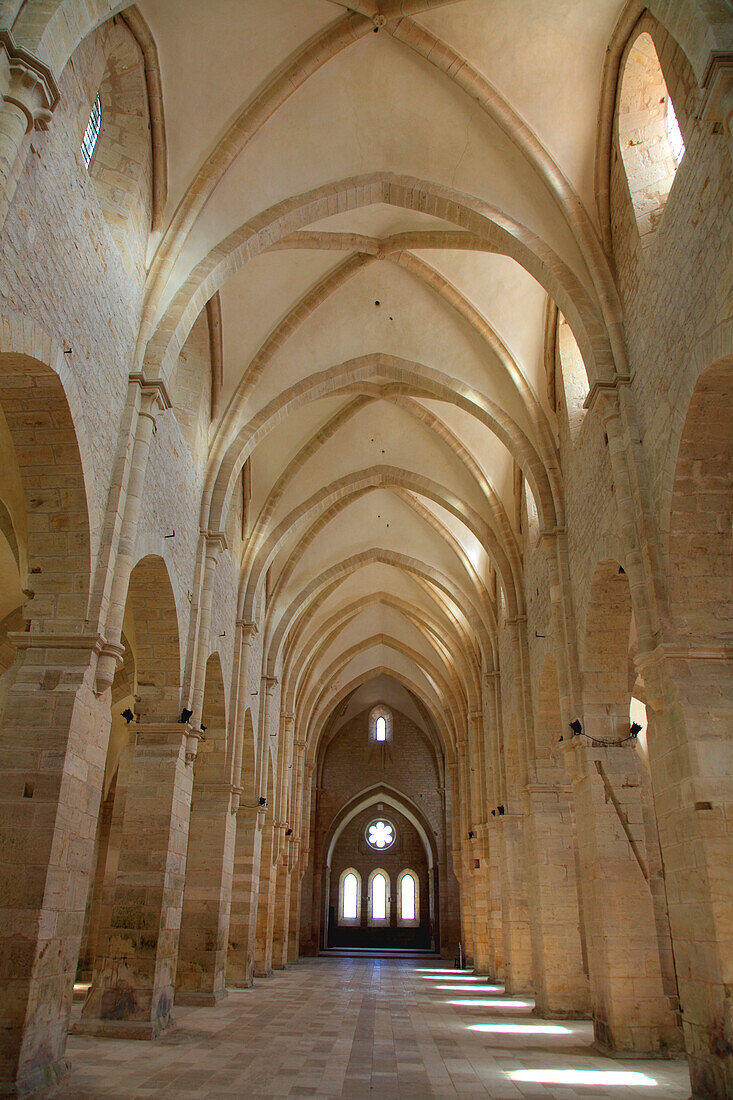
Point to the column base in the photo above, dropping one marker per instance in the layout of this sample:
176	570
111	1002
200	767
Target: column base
263	973
637	1042
37	1082
120	1029
193	999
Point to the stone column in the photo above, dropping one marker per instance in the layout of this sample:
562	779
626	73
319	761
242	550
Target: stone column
509	834
135	971
202	952
53	746
281	915
103	857
214	545
631	1011
690	712
245	889
495	909
112	580
295	894
483	953
28	97
266	902
560	981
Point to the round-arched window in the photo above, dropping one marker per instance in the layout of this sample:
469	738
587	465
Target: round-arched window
380	834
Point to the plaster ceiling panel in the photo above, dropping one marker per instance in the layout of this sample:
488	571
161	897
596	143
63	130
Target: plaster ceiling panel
381	220
372	622
529	50
283	443
378	519
410	322
380	689
374	657
364	583
257	298
378	108
507	297
248	38
488	451
382	434
472	547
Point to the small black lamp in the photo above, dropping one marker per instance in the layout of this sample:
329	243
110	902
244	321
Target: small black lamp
576	727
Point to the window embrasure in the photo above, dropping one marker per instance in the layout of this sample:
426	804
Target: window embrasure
350	897
408	898
380	724
379	897
92	132
650	139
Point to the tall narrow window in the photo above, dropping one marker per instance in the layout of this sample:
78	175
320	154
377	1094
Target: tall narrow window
380	724
674	132
650	139
407	898
350	892
379	897
91	134
349	909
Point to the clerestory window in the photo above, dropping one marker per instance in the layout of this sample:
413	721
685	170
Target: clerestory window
92	132
650	138
381	729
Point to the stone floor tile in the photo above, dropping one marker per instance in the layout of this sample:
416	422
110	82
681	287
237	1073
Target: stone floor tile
353	1029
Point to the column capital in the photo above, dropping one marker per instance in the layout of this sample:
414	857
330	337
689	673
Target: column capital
247	629
216	542
604	393
27	83
154	392
270	684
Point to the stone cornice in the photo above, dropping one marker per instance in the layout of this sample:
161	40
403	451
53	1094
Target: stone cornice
27	78
153	387
22	639
716	104
683	651
606	389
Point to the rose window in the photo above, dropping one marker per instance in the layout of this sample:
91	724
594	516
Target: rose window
380	834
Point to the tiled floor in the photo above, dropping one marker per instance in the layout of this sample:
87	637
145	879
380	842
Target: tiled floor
387	1028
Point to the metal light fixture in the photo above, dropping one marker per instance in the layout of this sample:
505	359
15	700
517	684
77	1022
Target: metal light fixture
128	715
576	727
634	729
186	715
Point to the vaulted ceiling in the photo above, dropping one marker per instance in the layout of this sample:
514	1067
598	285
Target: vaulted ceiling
383	194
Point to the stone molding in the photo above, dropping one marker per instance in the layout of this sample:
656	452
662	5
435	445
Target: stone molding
153	387
716	104
607	388
27	83
94	643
